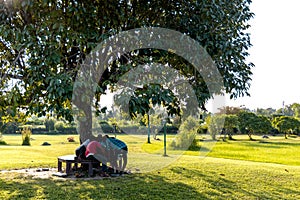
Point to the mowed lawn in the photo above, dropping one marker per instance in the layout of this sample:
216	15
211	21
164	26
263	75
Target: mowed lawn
240	169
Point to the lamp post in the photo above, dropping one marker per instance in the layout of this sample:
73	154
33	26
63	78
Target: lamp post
165	137
148	119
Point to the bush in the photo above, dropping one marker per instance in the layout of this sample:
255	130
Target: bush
59	126
10	128
203	129
1	140
26	133
216	125
129	129
49	123
186	139
106	128
170	129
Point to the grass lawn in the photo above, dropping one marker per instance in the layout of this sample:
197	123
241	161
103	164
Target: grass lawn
241	169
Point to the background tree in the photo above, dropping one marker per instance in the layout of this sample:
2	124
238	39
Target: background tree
250	123
230	110
150	96
222	124
247	123
296	109
287	111
286	124
231	124
264	125
43	43
265	112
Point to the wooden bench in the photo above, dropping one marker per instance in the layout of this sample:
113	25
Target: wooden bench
72	159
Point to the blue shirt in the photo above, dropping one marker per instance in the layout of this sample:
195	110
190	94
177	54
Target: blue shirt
117	144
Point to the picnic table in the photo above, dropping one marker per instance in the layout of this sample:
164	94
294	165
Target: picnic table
72	159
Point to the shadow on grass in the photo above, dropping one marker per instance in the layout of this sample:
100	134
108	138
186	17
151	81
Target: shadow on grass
129	187
271	144
16	190
177	183
221	187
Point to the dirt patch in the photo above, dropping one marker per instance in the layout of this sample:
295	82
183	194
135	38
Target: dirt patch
49	173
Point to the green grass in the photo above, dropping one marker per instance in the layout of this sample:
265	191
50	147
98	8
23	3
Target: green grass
15	156
273	150
188	178
227	173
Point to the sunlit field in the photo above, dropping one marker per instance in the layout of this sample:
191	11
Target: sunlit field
234	169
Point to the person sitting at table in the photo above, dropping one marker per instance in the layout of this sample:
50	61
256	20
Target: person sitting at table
96	151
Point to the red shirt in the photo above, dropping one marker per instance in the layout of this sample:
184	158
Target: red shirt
94	147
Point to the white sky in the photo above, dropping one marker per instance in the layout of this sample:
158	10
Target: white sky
275	52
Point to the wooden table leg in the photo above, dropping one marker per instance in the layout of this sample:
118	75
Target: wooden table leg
75	166
59	165
68	167
90	169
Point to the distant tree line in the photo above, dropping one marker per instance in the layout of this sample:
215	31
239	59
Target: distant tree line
232	120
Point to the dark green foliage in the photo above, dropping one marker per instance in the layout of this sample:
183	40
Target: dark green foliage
56	36
203	129
222	124
250	123
10	128
170	129
286	124
49	123
153	94
106	127
2	142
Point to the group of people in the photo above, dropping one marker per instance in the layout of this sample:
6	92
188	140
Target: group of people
104	149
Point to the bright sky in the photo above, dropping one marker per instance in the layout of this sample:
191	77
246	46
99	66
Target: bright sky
275	35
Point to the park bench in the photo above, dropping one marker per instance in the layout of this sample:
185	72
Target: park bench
72	159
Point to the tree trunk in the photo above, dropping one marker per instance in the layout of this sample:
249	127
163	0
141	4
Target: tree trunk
149	131
285	135
250	136
230	136
249	133
85	127
85	120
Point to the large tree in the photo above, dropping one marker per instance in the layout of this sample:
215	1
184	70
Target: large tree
250	123
43	43
286	124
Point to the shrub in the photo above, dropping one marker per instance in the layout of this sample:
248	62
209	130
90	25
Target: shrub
26	133
49	123
2	142
170	129
106	128
215	125
129	129
59	126
186	139
10	128
202	129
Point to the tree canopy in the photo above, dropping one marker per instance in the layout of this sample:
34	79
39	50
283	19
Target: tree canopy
43	44
286	124
251	123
